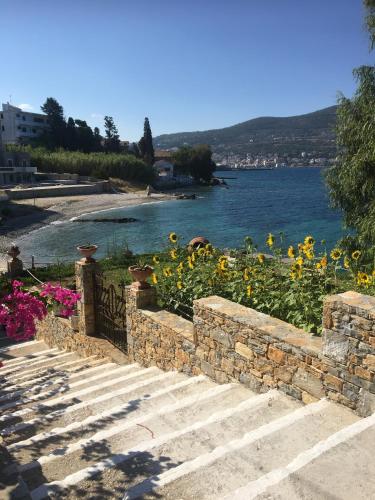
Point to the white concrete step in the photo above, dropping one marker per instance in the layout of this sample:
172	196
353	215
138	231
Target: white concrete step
129	432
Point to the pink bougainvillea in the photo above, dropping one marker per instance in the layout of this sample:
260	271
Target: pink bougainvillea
18	312
64	298
20	308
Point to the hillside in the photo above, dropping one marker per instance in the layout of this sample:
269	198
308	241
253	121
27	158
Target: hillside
312	132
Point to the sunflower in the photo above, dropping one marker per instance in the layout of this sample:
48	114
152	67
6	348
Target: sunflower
318	265
209	248
173	237
309	241
190	263
201	251
192	257
167	271
246	276
173	254
335	254
324	261
309	253
346	262
300	247
270	240
261	258
180	267
293	275
154	278
155	259
223	264
356	254
299	261
291	252
249	290
179	285
363	279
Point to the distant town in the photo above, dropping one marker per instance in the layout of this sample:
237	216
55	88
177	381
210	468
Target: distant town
270	161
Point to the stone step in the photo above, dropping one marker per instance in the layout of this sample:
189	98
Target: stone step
64	401
213	447
174	416
72	371
129	401
22	349
86	383
25	360
65	367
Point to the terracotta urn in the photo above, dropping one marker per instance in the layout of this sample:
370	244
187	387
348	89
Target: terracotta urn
139	276
13	251
196	243
87	251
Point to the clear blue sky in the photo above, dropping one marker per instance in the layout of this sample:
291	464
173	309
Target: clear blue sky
186	64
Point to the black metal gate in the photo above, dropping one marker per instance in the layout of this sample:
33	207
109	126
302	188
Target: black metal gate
110	312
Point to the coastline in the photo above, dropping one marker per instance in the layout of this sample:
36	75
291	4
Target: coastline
31	215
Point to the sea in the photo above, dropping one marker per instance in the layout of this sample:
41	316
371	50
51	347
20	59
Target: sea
290	203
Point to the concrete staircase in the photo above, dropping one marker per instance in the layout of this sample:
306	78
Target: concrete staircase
88	428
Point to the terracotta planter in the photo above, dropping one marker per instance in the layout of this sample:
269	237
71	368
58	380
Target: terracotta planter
139	276
87	252
196	243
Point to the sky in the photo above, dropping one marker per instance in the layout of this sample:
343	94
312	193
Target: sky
186	64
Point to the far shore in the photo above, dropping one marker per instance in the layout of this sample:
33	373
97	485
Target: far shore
29	215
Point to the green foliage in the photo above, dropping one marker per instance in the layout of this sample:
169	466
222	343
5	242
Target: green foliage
145	145
112	139
370	20
195	161
289	290
101	165
352	180
55	136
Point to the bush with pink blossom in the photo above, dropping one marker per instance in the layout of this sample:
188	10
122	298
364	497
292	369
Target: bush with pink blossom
20	307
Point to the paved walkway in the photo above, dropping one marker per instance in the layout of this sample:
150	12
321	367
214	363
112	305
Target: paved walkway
88	428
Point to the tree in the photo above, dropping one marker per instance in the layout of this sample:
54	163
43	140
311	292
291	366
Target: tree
145	145
97	140
351	180
195	161
112	138
70	135
55	137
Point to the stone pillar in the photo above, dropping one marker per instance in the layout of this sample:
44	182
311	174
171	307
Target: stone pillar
136	299
14	266
85	281
349	347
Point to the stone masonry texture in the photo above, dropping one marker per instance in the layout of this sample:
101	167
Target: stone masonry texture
229	342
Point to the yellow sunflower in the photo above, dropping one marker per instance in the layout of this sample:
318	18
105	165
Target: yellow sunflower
179	285
270	240
309	241
190	263
246	275
209	248
299	261
261	258
363	279
173	237
356	254
249	290
201	251
346	262
336	254
291	252
167	271
154	278
324	261
155	259
173	254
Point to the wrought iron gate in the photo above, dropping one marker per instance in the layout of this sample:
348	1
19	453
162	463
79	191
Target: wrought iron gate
110	312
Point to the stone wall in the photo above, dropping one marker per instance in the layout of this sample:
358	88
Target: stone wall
50	191
349	343
230	342
58	332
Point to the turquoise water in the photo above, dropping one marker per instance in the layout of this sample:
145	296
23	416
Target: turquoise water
292	201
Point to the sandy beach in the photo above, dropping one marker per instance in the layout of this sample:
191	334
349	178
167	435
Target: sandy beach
29	215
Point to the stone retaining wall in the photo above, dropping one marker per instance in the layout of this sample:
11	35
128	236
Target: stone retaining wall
230	342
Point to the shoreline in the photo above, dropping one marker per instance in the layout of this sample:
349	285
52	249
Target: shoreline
31	215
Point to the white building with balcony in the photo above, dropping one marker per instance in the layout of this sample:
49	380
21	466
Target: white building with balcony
18	127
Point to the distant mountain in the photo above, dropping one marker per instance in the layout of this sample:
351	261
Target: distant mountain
312	133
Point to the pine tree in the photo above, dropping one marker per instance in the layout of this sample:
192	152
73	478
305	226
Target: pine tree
70	135
112	138
55	137
145	144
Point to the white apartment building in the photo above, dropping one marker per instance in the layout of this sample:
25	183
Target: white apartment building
18	127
